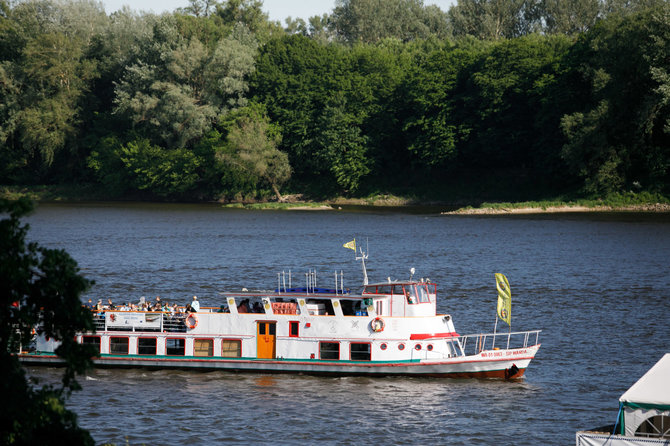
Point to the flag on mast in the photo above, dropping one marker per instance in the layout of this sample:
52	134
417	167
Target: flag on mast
504	298
350	245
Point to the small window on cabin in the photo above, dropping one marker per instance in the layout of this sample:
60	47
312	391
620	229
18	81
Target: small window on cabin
231	348
410	294
91	340
329	350
175	346
360	351
146	346
294	329
423	294
397	289
118	346
203	347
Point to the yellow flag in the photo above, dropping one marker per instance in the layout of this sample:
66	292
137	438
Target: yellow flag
350	245
504	298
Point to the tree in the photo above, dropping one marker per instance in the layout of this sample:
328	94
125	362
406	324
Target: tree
340	147
370	21
252	146
570	16
493	19
40	288
616	133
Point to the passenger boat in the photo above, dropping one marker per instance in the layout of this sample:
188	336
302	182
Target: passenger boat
389	328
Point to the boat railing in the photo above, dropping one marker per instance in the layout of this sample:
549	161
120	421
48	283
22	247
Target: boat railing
150	321
476	343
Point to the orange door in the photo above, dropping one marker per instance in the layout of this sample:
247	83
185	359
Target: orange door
265	340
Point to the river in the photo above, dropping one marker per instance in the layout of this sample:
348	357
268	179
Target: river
596	284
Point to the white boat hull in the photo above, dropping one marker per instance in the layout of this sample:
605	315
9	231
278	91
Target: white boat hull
507	364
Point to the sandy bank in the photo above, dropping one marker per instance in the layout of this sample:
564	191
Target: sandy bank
657	207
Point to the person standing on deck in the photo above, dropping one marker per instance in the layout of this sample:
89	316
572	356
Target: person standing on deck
195	305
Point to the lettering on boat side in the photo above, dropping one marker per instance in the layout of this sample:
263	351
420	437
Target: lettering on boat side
502	354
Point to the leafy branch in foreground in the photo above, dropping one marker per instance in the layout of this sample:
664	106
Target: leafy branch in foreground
39	287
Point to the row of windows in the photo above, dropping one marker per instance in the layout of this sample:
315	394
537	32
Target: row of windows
230	348
357	351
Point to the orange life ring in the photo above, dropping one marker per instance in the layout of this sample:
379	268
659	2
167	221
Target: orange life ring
377	325
191	325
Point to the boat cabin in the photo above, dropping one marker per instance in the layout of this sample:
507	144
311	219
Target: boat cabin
402	299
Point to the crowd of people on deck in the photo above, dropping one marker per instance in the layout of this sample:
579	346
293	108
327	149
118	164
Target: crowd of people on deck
163	306
144	305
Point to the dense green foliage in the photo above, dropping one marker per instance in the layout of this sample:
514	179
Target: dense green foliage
514	100
38	288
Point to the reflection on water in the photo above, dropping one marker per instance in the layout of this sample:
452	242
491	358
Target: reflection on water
596	284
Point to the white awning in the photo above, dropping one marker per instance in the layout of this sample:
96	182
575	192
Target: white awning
653	389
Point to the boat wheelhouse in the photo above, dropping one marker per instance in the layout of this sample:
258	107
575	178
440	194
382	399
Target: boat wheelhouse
390	328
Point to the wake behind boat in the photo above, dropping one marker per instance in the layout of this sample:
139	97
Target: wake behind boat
389	328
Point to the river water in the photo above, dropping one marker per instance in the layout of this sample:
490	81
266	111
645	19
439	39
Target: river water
596	284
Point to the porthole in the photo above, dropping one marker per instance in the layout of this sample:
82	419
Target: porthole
401	346
430	347
383	346
417	347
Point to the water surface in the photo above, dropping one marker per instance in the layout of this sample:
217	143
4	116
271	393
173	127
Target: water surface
596	284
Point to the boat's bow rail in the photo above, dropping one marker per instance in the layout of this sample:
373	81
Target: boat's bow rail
474	344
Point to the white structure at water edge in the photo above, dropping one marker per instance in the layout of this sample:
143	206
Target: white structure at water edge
644	413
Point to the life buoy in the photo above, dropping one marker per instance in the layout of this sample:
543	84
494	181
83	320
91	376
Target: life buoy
377	325
191	321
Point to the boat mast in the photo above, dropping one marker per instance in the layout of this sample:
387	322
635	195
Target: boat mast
362	258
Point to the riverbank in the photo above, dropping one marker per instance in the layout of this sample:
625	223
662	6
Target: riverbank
623	202
656	207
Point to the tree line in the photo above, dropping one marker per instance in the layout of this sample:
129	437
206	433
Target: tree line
521	99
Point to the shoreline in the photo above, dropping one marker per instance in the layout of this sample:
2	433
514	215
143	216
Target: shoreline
297	202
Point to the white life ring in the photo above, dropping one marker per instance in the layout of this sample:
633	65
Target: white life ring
191	321
377	324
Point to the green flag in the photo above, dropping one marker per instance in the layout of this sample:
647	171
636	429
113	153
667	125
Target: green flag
504	299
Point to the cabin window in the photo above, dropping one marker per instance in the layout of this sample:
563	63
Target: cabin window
397	289
384	289
424	298
359	351
146	346
329	350
118	346
175	346
294	329
92	340
203	347
231	348
380	307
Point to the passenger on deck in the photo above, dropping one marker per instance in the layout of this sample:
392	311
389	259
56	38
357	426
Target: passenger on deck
98	306
195	305
258	308
243	307
110	305
90	305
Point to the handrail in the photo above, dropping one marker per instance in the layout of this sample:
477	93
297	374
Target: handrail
515	339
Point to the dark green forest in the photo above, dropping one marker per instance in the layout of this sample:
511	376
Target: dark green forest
514	100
